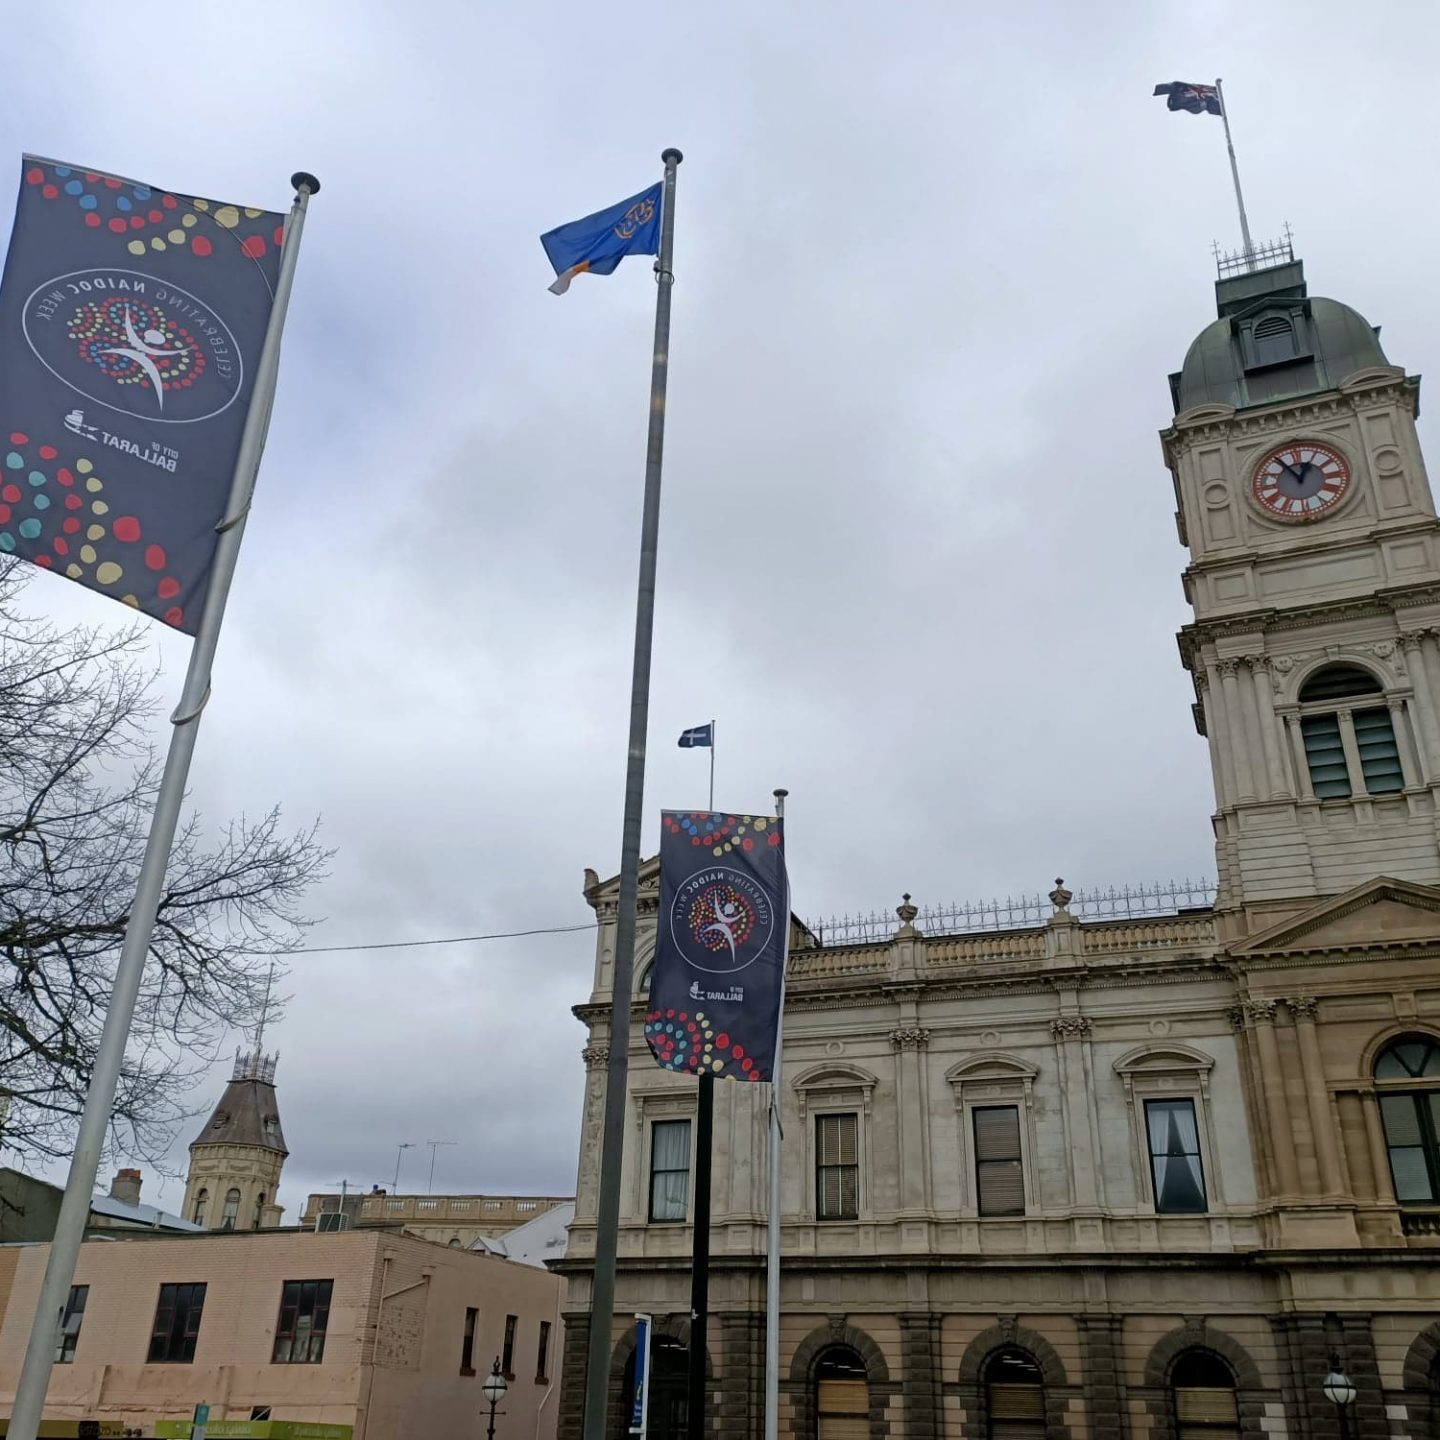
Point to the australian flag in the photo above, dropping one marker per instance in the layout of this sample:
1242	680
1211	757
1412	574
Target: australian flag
1197	99
698	735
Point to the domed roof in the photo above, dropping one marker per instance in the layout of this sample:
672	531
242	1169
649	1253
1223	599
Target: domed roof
1272	341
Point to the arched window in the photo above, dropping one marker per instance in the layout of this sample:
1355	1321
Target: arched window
1341	737
201	1201
842	1395
1014	1396
1202	1390
669	1373
232	1209
259	1210
1273	340
1409	1095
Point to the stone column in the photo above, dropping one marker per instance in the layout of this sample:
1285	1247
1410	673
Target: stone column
1070	1033
1236	730
570	1416
1367	1417
1410	766
1208	704
1304	1353
596	1058
742	1376
1424	691
1269	726
1317	1094
1379	1151
1261	1014
920	1349
1218	729
1100	1351
1297	755
909	1042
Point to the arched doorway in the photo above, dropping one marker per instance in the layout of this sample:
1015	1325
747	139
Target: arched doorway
669	1375
1014	1396
842	1395
1202	1391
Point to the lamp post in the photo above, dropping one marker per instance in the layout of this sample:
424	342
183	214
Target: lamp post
1340	1393
494	1388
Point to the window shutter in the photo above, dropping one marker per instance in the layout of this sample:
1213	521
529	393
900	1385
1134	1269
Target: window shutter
999	1177
1325	755
1205	1406
1017	1402
1379	755
837	1139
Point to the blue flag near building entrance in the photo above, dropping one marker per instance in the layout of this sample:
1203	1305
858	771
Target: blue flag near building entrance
131	322
715	990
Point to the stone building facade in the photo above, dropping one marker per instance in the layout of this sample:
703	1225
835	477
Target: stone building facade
1087	1177
455	1220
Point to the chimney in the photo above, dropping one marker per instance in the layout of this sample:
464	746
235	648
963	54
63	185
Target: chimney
125	1187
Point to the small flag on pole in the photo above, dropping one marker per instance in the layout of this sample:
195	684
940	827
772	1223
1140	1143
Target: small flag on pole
599	242
131	323
1197	99
698	735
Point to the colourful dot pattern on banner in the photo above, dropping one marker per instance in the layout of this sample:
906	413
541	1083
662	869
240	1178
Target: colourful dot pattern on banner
149	220
56	515
685	1042
101	330
715	900
720	833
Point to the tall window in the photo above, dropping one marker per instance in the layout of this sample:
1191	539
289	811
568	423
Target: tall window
177	1325
507	1356
232	1209
201	1201
669	1169
1330	725
1411	1112
259	1210
837	1167
70	1324
304	1316
1202	1391
467	1341
1014	1396
1175	1168
542	1358
999	1181
842	1395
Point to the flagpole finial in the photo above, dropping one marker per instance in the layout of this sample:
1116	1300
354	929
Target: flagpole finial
304	181
671	156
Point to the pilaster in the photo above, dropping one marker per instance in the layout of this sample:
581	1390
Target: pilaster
920	1351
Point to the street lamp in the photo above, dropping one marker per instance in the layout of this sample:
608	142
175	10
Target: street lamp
1340	1393
494	1389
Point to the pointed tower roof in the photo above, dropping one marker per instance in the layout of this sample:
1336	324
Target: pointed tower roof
247	1113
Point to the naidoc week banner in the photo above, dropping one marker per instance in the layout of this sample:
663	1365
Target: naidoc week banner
131	321
719	950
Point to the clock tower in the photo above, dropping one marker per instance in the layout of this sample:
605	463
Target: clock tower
1314	576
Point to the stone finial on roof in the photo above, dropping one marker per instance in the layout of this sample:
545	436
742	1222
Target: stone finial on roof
907	913
1060	897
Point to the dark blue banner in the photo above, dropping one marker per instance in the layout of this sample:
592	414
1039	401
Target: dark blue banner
131	320
720	944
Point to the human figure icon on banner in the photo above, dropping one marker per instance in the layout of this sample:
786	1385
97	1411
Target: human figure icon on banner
728	917
144	351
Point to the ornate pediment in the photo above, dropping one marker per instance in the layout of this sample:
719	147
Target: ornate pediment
1381	914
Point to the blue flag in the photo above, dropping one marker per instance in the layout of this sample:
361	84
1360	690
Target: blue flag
698	735
599	242
131	321
714	1000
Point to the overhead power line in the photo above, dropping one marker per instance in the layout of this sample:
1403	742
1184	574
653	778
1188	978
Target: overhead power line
442	940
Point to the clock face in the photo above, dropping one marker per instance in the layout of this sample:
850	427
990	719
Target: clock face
1301	480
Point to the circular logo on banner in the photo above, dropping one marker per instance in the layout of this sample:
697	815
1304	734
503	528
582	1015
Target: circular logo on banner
134	344
721	920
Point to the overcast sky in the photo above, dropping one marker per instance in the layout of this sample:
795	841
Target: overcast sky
934	262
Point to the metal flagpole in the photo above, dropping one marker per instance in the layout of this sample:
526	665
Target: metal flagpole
772	1264
712	767
607	1220
695	1425
25	1414
1235	173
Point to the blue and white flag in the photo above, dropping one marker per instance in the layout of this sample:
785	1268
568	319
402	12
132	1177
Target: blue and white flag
599	242
715	988
701	735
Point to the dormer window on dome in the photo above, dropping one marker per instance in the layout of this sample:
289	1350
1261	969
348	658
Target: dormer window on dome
1273	340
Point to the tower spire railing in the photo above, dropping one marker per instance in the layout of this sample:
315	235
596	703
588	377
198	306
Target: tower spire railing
1264	256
